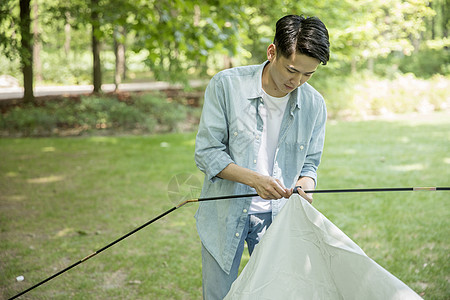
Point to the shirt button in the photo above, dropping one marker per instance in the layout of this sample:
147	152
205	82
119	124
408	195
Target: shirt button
301	147
257	137
245	211
235	133
254	161
237	234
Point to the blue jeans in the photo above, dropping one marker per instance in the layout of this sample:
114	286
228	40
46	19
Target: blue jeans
217	283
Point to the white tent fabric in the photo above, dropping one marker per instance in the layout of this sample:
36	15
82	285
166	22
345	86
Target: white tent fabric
305	256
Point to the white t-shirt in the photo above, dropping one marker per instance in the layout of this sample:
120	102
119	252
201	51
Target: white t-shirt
272	113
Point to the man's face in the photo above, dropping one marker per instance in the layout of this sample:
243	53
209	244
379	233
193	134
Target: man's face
286	74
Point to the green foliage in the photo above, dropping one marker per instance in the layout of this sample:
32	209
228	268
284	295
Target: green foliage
364	94
180	35
178	40
432	57
337	91
9	31
427	62
168	114
29	120
73	68
149	113
377	28
10	66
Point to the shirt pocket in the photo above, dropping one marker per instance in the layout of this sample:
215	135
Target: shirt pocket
241	138
293	159
240	145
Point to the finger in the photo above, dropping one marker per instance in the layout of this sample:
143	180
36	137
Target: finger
270	196
282	190
290	192
269	193
279	193
305	195
275	194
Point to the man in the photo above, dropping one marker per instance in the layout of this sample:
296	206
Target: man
262	129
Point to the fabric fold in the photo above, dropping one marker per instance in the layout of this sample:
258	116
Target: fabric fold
305	256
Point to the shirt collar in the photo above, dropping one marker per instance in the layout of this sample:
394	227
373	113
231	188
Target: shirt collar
257	90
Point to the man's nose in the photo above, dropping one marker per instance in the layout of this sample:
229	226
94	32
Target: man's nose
296	79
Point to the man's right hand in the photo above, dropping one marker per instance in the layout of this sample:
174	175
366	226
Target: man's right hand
267	187
270	188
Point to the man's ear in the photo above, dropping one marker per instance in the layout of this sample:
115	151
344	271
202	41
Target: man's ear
271	52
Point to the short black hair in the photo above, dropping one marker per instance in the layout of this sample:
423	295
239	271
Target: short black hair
307	36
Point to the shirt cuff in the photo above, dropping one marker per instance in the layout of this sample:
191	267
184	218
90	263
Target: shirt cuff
217	165
310	174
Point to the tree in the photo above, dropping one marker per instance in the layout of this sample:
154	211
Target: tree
26	51
95	22
16	39
181	36
103	17
75	14
37	45
184	38
115	26
377	28
119	52
440	22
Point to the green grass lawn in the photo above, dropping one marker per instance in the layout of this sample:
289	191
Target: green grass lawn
63	198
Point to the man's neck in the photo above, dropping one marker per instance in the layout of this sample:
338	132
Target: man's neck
268	84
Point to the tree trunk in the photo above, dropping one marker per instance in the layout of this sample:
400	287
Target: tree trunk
446	18
370	65
124	66
67	33
119	51
97	72
353	65
26	52
37	44
124	74
227	62
430	5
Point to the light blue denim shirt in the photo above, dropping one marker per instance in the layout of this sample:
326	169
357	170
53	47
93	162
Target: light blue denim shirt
229	132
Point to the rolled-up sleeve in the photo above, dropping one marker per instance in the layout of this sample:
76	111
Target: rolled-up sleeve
211	144
316	144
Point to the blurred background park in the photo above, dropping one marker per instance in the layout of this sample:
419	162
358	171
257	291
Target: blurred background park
140	69
386	56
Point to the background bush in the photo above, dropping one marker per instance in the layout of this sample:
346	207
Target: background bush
346	97
167	114
147	113
365	94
